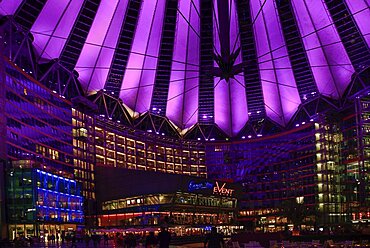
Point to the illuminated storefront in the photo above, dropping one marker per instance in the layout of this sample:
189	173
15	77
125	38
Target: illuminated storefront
179	208
162	199
41	203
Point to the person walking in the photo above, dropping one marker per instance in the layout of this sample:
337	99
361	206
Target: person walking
214	239
130	240
164	238
63	236
95	238
106	238
74	241
87	239
151	241
52	238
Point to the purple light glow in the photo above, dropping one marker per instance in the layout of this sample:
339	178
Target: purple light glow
183	89
330	64
230	98
9	7
97	53
138	81
360	9
279	87
51	30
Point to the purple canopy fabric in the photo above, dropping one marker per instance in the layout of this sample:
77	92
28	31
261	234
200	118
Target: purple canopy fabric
328	58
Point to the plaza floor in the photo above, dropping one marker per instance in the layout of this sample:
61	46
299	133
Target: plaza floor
101	245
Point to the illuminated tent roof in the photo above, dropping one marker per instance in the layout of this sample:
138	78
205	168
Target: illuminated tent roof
204	61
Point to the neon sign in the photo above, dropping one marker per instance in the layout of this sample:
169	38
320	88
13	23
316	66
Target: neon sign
217	190
198	186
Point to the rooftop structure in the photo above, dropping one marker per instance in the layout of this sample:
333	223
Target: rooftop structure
207	69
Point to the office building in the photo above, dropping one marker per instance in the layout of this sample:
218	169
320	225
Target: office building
40	203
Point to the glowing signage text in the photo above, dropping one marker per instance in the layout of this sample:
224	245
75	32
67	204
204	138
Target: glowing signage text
217	190
200	185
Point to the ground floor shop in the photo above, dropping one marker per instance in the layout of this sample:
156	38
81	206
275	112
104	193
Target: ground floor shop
159	218
185	204
226	230
42	230
178	230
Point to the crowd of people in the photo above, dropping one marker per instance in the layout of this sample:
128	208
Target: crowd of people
162	240
214	239
118	239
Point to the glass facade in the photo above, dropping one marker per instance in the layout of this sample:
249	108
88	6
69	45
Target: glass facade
329	196
84	151
102	142
58	199
98	141
39	134
272	170
323	164
36	197
179	208
117	146
38	122
356	161
42	127
3	153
